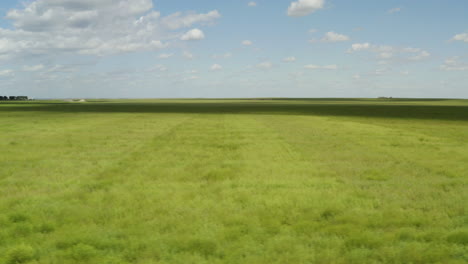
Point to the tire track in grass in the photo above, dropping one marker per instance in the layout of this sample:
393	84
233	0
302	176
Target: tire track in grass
164	192
202	183
390	192
55	194
278	202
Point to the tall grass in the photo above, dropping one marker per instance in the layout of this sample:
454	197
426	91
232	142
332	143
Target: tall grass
270	181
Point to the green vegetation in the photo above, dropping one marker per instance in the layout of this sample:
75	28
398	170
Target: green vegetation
234	181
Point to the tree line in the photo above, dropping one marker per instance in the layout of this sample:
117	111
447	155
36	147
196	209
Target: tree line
13	98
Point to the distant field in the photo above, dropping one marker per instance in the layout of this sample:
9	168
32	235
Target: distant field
234	181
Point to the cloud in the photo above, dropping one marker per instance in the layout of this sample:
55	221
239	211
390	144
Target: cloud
216	67
312	30
359	47
404	72
181	20
453	64
194	34
265	65
305	7
395	10
461	37
252	4
166	55
90	27
334	37
420	56
247	43
187	55
6	73
289	59
226	55
158	68
385	53
318	67
33	68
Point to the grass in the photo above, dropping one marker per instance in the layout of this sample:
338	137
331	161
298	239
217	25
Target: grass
234	181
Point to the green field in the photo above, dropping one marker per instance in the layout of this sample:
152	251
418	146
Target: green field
234	181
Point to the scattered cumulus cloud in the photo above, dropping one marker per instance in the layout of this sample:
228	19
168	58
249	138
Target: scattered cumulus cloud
395	10
405	73
334	37
194	34
252	4
319	67
312	30
191	78
265	65
158	68
166	55
184	20
6	73
385	52
226	55
454	64
421	55
89	27
380	71
216	67
247	43
33	68
290	59
461	37
359	47
305	7
187	55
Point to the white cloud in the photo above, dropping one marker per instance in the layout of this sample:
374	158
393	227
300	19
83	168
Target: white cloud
180	20
216	67
380	71
334	37
405	73
312	30
33	68
6	73
385	53
158	68
265	65
420	56
319	67
187	55
54	27
453	64
166	55
305	7
194	34
247	43
461	37
359	47
252	4
395	10
289	59
191	78
61	69
226	55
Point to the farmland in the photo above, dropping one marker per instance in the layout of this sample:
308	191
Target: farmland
234	181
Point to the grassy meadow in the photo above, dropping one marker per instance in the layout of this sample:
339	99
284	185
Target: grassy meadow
234	181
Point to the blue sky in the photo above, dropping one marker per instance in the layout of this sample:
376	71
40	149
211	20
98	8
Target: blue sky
212	48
